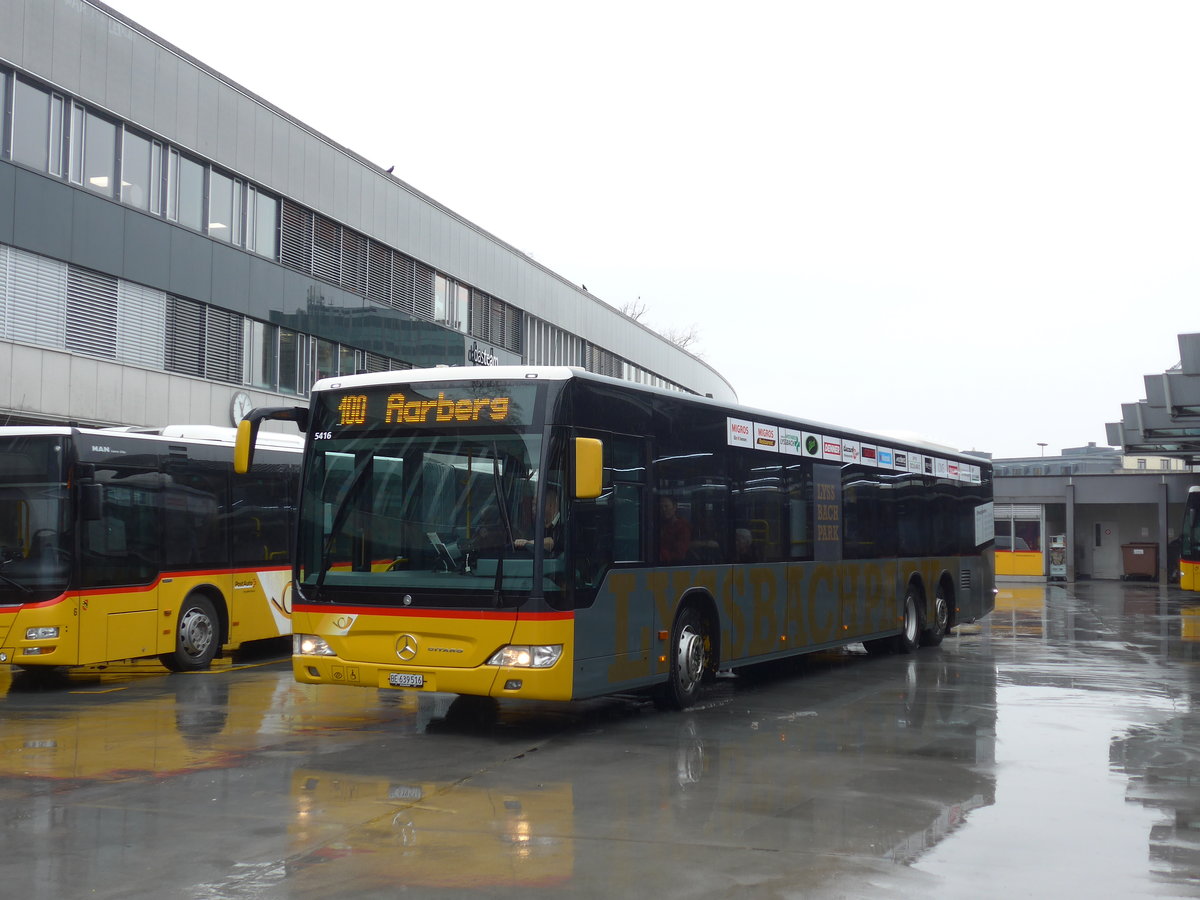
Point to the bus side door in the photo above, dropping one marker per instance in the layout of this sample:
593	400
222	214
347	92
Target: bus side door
118	602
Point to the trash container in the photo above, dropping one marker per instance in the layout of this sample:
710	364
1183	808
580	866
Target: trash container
1141	561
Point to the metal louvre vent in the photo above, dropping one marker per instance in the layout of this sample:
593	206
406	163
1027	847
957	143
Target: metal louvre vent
379	273
964	579
376	363
35	300
141	324
512	333
223	334
185	337
480	324
327	250
295	237
91	313
402	282
423	291
354	262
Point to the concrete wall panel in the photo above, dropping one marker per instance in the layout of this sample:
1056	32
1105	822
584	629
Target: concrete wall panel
231	279
187	106
48	233
12	30
98	232
147	250
6	377
119	69
142	83
37	49
227	124
93	58
68	44
166	95
191	265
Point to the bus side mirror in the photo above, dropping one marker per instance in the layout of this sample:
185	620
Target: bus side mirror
247	431
589	468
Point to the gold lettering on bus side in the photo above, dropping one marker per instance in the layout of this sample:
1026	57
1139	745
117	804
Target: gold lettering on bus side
766	621
625	664
822	627
796	620
733	628
499	409
462	410
659	583
849	597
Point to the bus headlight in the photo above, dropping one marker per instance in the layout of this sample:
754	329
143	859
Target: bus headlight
310	645
526	656
41	633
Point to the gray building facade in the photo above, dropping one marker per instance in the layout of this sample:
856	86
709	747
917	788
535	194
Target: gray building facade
172	244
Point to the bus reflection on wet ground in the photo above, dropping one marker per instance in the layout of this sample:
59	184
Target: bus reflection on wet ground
1053	748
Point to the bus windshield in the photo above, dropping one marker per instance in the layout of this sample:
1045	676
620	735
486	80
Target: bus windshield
448	515
34	539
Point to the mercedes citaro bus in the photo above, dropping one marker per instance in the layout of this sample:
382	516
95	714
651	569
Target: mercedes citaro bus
553	534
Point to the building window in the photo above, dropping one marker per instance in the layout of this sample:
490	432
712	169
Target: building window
293	371
137	171
221	207
261	354
31	126
99	155
262	223
185	191
325	359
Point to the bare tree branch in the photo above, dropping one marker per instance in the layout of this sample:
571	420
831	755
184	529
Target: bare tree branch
635	309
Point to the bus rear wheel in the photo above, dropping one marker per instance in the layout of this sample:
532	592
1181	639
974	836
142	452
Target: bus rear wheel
196	636
936	629
690	660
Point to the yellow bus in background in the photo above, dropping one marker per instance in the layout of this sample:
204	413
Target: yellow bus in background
127	544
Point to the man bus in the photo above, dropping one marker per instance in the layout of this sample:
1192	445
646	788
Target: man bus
421	489
123	544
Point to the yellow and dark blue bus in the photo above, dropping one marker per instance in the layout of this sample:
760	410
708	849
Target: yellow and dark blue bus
119	544
548	533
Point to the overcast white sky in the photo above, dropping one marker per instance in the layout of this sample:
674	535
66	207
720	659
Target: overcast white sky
974	222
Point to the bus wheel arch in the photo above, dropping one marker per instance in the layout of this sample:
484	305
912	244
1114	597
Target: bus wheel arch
692	652
941	614
200	630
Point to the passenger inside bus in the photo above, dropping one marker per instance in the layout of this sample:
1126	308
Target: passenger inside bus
674	532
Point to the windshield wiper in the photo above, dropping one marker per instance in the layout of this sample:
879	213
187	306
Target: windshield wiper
25	589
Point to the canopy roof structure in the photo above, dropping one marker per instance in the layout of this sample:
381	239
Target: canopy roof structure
1167	422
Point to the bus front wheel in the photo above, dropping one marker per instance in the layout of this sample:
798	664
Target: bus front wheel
196	636
690	660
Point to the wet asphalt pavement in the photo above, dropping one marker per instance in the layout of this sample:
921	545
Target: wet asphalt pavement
1052	751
